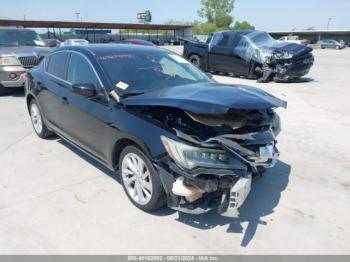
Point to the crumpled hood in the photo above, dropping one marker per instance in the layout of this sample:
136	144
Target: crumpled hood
207	98
292	48
19	51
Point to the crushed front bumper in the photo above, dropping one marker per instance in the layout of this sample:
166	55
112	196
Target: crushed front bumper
294	69
221	190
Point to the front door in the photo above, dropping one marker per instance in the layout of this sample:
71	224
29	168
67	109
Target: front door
85	121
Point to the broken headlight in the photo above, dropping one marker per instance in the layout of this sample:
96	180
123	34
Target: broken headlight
265	54
190	157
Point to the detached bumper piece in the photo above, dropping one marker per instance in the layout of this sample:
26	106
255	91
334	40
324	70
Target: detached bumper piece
237	195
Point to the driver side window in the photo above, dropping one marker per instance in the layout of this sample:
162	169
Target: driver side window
81	72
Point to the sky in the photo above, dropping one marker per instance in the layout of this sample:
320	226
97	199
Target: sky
269	15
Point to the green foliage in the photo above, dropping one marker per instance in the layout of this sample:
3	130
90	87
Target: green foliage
243	26
214	10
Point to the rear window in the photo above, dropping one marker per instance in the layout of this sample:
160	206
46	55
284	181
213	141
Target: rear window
57	64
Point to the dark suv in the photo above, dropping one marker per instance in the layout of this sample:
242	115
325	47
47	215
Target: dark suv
20	50
174	134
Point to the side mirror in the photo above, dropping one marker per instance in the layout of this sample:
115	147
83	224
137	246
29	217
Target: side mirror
86	90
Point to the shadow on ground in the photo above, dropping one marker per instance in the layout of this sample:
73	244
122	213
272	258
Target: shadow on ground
14	92
295	81
264	197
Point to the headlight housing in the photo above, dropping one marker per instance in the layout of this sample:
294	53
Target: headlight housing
9	61
265	54
190	157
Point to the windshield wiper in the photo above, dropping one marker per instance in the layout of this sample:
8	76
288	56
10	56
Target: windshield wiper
131	94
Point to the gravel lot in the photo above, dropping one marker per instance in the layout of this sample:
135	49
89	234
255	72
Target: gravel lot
56	200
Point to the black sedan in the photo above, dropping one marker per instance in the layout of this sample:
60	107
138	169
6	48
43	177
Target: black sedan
173	133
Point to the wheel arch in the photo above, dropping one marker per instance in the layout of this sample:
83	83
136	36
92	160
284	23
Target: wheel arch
122	143
29	99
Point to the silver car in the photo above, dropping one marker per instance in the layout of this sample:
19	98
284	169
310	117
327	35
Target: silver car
20	50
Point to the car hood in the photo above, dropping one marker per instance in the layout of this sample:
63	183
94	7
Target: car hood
291	48
25	50
207	98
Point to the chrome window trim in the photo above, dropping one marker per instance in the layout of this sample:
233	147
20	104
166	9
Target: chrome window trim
67	82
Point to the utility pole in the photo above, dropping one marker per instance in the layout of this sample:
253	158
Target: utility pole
329	22
77	15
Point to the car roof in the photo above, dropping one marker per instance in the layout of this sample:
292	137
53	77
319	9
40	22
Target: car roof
105	49
241	32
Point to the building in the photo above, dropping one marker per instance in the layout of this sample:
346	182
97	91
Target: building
94	31
315	35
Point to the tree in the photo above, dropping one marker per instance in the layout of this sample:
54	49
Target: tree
244	25
217	11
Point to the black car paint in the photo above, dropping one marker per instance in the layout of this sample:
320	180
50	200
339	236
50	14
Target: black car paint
208	98
101	126
225	59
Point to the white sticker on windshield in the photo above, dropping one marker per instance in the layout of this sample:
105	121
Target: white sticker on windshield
179	59
122	85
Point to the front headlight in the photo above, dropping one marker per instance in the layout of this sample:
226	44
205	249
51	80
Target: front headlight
265	54
190	157
9	61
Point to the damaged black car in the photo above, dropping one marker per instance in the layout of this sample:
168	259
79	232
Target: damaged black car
251	54
173	134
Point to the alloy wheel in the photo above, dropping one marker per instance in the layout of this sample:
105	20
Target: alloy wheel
36	118
137	178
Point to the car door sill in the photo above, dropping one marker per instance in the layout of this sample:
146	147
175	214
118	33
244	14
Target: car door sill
105	164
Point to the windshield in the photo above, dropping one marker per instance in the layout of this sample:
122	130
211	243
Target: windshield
260	39
20	37
142	72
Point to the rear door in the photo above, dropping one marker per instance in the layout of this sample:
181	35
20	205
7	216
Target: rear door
86	121
242	54
222	57
51	86
219	58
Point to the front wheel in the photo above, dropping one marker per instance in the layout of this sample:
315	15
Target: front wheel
140	180
37	121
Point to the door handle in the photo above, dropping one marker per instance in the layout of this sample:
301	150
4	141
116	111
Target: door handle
64	100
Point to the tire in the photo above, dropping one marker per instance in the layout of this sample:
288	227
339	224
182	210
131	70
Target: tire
3	90
195	60
37	120
143	187
252	74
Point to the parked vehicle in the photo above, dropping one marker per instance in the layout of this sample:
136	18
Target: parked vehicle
20	50
252	54
333	44
52	43
138	42
174	134
293	39
73	42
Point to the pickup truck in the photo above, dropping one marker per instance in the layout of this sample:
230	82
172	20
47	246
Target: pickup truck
250	53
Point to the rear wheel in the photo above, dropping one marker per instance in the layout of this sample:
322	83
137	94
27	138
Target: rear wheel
37	121
195	60
140	180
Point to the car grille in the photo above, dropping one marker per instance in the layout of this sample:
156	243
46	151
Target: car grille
29	61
